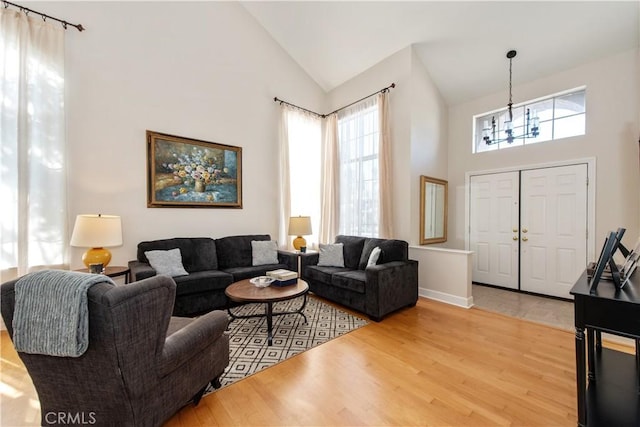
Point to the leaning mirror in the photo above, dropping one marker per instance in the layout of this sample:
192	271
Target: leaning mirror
433	210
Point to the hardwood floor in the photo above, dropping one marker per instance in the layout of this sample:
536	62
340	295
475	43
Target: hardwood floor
434	364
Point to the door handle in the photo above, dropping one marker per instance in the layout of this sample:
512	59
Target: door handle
524	239
515	230
515	237
524	230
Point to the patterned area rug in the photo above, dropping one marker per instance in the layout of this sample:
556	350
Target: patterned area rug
249	352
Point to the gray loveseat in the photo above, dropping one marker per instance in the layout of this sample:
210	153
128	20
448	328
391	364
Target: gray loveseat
212	264
376	290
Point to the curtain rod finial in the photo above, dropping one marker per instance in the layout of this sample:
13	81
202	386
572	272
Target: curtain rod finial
393	85
80	27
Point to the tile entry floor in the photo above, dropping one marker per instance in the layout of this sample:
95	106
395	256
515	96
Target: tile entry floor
549	311
538	309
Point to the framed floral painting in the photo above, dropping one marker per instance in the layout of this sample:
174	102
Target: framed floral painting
189	173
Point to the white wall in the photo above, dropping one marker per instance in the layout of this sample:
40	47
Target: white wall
613	110
429	151
203	70
418	130
444	274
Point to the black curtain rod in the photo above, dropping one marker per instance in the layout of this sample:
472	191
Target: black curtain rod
276	99
26	11
383	90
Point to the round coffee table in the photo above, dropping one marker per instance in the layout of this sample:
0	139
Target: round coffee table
246	292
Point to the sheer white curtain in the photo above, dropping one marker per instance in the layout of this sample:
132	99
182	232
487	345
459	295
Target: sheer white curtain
329	220
33	212
285	182
384	150
300	143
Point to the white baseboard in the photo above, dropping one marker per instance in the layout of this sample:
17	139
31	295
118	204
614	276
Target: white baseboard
446	298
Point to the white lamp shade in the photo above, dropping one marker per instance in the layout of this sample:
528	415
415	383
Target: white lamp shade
97	231
300	226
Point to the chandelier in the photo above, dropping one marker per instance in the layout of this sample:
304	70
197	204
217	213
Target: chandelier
531	124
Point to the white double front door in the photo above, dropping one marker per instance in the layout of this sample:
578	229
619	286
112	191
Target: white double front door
528	228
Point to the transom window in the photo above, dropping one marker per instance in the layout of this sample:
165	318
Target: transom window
557	116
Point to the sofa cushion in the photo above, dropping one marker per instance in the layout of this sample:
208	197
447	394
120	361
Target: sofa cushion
394	250
374	257
167	262
235	251
353	280
204	256
198	253
391	250
331	255
202	281
321	274
264	252
352	250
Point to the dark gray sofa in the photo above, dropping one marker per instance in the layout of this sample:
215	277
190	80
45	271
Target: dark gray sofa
212	264
377	290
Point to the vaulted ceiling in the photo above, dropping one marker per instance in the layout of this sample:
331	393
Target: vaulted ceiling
462	44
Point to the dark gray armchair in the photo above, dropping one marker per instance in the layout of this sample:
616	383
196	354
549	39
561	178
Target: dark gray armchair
141	365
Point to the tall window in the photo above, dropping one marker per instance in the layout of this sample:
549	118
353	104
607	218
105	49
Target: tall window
560	116
304	135
358	142
33	217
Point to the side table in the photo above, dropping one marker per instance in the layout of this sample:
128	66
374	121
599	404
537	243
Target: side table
299	254
113	271
607	380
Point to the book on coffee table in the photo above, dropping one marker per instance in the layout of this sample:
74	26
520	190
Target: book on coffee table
283	277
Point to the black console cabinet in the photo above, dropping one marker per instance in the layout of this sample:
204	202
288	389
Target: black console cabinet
611	397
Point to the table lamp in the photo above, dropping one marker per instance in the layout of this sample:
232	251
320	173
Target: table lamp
97	232
299	226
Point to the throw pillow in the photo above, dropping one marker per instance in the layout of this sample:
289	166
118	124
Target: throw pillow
167	262
264	252
331	255
373	258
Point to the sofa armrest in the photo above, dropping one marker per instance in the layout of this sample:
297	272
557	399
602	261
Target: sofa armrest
391	286
140	270
307	260
180	346
289	259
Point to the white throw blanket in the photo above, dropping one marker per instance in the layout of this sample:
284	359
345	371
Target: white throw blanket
51	314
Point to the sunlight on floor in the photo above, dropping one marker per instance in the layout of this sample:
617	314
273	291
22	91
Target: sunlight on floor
6	391
19	405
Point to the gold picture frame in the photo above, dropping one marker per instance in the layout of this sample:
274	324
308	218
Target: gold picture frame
191	173
433	210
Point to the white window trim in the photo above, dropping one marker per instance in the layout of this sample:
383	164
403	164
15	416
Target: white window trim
474	119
